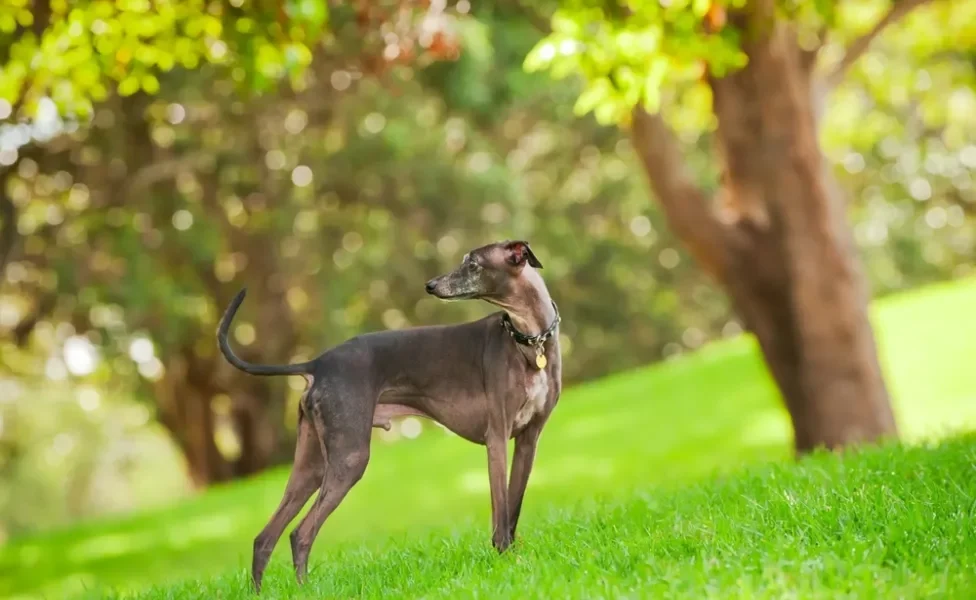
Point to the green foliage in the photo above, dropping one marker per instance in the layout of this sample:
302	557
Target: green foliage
629	54
649	53
387	152
643	427
900	129
76	451
89	47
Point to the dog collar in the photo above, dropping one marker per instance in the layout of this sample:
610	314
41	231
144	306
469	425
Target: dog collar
533	341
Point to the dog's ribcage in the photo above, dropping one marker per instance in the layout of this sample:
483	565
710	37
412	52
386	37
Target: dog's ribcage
536	391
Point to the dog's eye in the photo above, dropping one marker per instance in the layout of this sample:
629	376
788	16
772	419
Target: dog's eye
473	266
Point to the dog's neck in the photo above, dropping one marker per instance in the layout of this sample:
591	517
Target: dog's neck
530	305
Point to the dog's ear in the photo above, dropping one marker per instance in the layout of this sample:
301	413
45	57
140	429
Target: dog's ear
520	252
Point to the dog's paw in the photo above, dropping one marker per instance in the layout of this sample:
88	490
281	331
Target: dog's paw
501	542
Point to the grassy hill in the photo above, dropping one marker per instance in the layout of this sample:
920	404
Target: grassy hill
609	510
890	523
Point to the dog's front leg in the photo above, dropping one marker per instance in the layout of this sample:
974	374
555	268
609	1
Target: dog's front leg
525	446
501	536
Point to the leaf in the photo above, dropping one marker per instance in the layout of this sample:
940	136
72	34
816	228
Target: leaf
213	27
150	84
87	74
99	92
566	25
314	12
165	62
653	81
476	40
25	18
129	86
8	24
597	92
827	10
701	7
608	113
562	69
541	56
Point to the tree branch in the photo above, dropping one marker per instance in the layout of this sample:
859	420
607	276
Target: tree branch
159	171
532	17
55	151
808	57
899	9
8	233
23	330
685	205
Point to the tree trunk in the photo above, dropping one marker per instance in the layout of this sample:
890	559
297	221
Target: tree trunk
783	252
196	376
185	401
258	417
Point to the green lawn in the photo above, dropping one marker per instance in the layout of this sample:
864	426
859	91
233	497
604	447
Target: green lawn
609	510
889	523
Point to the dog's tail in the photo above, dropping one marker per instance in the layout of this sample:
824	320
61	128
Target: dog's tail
253	369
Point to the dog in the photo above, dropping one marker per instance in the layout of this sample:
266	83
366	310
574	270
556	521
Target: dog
488	381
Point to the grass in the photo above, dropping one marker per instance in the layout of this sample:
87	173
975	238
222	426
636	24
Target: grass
889	523
609	511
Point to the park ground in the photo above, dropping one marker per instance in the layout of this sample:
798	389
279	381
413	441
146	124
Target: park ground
667	481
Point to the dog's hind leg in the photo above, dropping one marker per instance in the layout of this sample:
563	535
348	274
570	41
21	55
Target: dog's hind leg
307	473
347	448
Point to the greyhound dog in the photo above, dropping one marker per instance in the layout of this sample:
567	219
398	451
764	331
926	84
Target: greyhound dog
488	381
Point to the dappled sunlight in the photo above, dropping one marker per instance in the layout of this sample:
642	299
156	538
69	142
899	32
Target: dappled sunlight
594	426
66	586
106	546
931	393
937	421
474	482
203	529
190	532
574	469
769	428
60	566
28	554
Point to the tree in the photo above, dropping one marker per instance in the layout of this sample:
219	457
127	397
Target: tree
62	62
112	97
139	223
774	236
343	184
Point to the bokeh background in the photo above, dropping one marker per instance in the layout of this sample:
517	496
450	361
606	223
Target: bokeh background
334	178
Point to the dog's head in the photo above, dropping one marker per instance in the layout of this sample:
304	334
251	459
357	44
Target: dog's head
489	272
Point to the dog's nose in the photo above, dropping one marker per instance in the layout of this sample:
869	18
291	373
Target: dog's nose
430	286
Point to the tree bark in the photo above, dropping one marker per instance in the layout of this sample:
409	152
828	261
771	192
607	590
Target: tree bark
8	226
184	400
786	255
258	416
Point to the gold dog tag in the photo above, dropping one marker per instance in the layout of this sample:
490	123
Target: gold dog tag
540	361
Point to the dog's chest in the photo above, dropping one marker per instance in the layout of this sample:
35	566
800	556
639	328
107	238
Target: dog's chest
536	392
